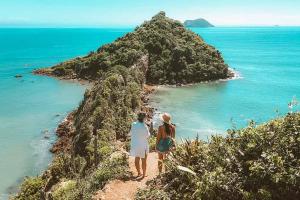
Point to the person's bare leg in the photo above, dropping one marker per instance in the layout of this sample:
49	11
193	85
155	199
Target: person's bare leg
144	165
160	162
137	165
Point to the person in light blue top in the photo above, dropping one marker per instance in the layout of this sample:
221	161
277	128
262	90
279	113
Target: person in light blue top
139	143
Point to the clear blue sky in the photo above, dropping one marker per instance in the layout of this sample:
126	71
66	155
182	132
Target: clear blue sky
132	12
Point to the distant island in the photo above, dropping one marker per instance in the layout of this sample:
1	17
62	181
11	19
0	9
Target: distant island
203	23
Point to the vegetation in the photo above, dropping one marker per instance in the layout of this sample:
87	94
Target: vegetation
31	189
69	178
257	162
159	51
175	55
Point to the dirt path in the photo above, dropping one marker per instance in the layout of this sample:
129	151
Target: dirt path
126	190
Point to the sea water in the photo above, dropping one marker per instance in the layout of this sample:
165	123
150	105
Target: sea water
267	60
32	106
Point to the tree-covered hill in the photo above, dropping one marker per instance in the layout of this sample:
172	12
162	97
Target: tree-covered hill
176	55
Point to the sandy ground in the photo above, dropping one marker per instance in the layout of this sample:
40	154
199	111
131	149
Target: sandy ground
126	190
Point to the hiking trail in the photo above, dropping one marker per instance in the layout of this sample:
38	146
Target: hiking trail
126	190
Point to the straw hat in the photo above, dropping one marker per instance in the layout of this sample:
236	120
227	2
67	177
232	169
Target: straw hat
166	117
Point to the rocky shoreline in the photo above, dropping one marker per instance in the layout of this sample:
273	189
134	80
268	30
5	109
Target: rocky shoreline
65	131
49	73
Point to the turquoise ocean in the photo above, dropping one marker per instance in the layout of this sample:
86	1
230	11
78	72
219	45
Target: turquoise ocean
32	106
266	58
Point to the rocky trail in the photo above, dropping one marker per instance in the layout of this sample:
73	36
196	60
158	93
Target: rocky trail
126	190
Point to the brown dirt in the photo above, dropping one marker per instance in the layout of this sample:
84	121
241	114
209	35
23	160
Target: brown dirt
126	190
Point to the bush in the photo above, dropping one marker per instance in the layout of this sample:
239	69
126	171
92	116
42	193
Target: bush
65	191
31	189
155	194
114	168
152	143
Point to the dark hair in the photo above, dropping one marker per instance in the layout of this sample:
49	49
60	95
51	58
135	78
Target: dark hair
141	116
167	128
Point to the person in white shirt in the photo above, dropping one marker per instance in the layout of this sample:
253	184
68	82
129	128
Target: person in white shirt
139	143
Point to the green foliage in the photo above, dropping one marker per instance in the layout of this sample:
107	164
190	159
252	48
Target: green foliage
115	167
156	194
175	55
108	109
65	191
258	162
31	189
152	143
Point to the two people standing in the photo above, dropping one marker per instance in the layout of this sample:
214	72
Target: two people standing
139	141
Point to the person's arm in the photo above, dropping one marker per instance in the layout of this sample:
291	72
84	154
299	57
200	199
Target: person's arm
173	127
147	131
158	136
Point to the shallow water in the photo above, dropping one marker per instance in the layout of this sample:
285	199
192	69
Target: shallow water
267	59
32	106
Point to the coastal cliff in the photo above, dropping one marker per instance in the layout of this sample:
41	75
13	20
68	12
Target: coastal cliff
93	140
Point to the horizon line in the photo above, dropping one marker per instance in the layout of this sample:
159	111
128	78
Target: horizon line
131	26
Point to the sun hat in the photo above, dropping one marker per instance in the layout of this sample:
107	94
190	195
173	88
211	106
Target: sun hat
166	118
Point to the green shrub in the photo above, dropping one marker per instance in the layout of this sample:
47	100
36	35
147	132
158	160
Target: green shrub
155	194
152	143
30	189
65	191
59	71
114	168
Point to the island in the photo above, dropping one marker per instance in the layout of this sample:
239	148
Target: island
198	23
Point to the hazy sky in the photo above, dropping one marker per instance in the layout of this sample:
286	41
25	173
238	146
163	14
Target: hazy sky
133	12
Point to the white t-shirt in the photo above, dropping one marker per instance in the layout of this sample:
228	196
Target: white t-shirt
139	139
